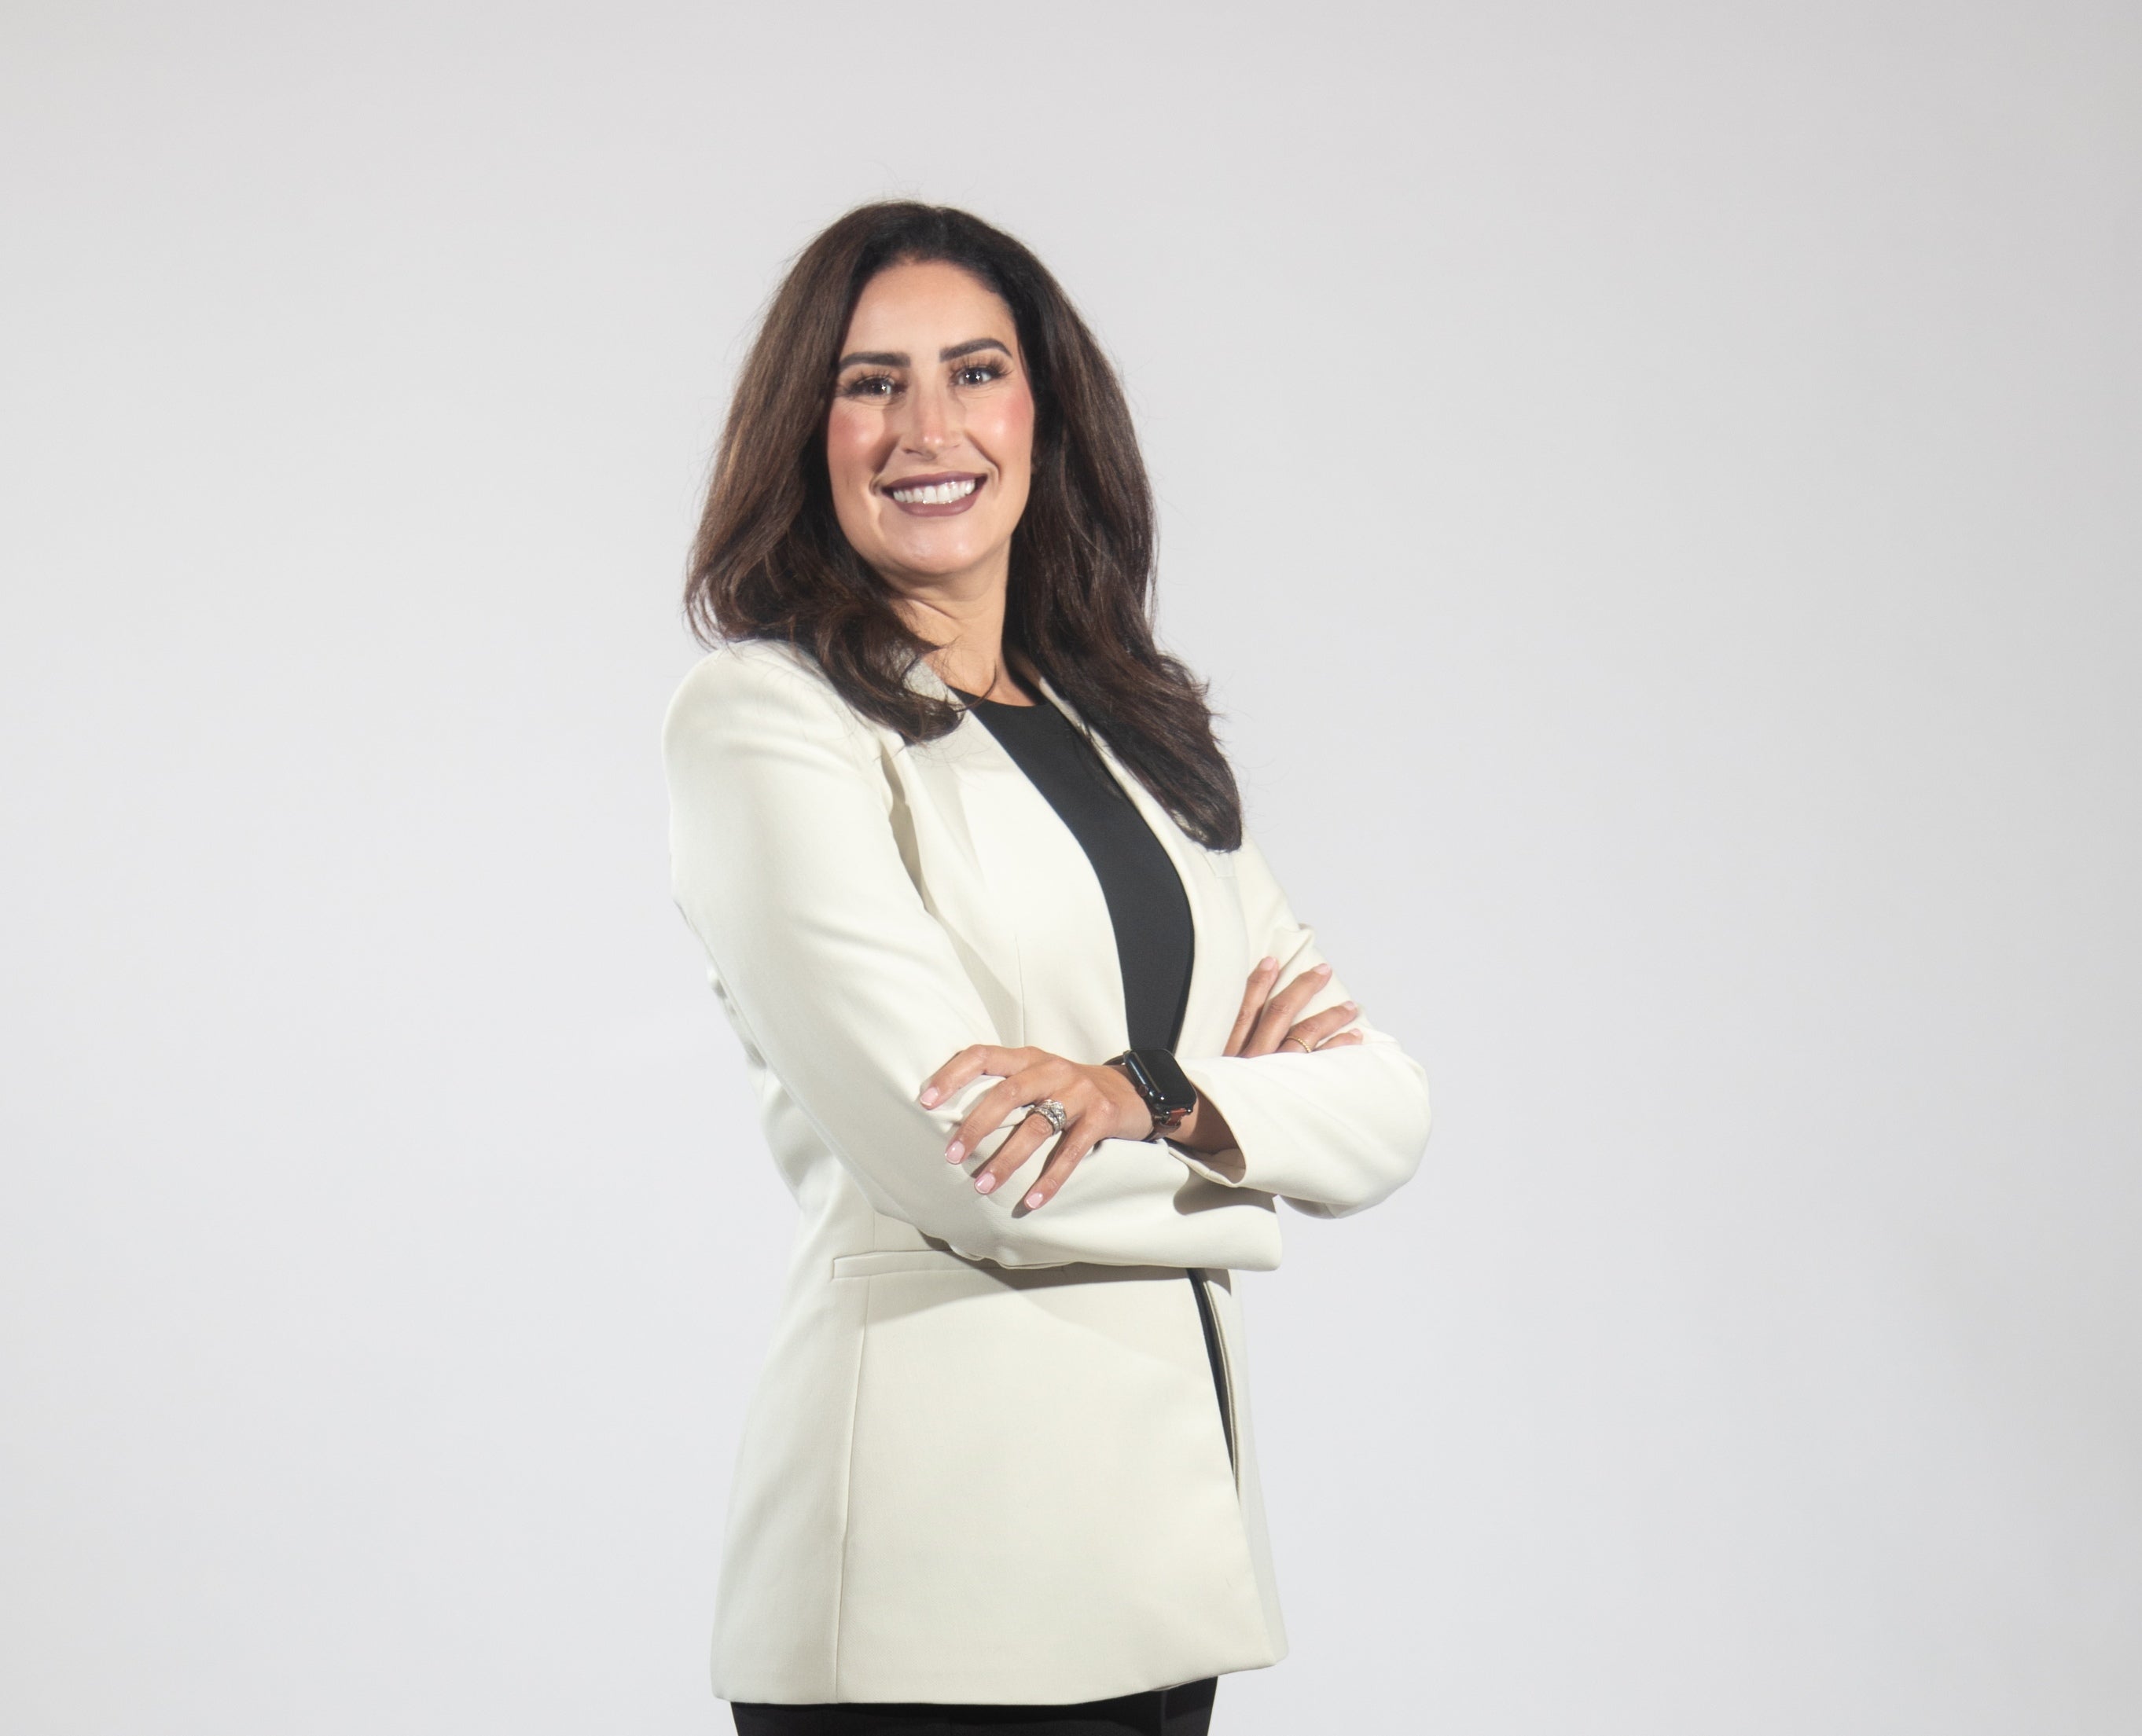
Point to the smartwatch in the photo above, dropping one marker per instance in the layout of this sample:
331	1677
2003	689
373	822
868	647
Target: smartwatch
1163	1084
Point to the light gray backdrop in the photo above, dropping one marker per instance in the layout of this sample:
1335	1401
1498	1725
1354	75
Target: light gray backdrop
1654	487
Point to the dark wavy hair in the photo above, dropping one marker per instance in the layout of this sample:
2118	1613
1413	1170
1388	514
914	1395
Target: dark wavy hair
771	560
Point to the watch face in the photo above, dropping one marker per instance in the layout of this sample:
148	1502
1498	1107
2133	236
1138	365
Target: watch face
1166	1085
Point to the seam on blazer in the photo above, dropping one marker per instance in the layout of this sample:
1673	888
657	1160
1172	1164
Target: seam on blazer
848	1485
854	1407
1019	960
1234	1383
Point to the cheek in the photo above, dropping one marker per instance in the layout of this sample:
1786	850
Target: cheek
851	442
1007	432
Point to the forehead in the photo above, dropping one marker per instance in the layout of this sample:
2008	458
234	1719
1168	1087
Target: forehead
921	308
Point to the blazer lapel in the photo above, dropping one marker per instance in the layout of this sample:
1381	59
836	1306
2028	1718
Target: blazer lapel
1048	930
1219	970
1046	909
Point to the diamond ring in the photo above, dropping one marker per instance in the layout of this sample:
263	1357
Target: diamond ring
1051	1109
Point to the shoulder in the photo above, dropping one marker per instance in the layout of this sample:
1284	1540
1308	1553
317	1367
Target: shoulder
761	709
747	666
751	676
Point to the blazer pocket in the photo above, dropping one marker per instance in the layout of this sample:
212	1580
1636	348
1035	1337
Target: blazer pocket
904	1259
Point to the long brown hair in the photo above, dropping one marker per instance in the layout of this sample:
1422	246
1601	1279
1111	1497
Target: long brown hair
771	560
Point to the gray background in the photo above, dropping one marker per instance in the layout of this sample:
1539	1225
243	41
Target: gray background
1655	488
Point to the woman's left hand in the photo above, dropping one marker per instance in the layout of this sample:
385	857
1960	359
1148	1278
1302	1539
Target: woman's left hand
1098	1103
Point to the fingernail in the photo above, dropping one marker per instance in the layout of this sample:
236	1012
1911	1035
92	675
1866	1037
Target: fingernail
1351	1006
983	1184
1268	962
1035	1198
930	1095
1322	970
955	1151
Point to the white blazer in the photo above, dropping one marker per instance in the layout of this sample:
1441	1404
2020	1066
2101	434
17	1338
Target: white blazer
985	1461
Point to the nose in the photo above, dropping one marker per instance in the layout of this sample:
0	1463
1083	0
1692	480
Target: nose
933	420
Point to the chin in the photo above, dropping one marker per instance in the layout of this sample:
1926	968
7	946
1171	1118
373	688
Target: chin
941	560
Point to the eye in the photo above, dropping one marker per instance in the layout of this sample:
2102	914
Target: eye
880	385
981	373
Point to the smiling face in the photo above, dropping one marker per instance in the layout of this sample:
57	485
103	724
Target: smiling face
929	440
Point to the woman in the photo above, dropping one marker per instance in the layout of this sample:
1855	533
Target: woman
1037	1041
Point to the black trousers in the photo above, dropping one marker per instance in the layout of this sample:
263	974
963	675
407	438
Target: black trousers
1184	1711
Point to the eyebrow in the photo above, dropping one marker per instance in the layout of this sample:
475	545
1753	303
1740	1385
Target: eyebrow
899	358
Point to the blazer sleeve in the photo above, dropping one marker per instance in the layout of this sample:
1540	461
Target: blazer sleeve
1331	1133
785	863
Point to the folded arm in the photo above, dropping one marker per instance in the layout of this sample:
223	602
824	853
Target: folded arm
785	864
1331	1133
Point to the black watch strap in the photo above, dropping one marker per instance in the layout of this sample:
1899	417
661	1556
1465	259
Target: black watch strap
1169	1096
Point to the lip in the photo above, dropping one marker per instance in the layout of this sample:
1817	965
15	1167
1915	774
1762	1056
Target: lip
945	509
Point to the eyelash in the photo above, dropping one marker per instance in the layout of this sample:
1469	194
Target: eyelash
857	386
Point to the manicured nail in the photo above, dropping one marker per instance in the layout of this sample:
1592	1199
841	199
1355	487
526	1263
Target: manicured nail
1268	962
1322	970
1351	1006
1035	1199
955	1151
930	1093
984	1182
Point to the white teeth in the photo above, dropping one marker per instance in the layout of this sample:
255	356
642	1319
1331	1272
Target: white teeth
936	494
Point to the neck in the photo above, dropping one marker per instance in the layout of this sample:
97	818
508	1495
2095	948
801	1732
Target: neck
963	618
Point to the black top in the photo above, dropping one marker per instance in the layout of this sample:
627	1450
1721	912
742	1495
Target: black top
1155	939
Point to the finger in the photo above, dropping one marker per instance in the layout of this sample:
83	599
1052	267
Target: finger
1346	1040
1321	1026
1047	1078
1277	1018
970	1064
1024	1140
1253	1001
1088	1114
1070	1151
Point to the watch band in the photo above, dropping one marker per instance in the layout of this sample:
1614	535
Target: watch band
1169	1096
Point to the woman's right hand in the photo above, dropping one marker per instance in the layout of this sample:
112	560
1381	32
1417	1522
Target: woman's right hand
1267	1019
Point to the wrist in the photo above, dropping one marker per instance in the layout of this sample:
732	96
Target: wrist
1161	1086
1133	1119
